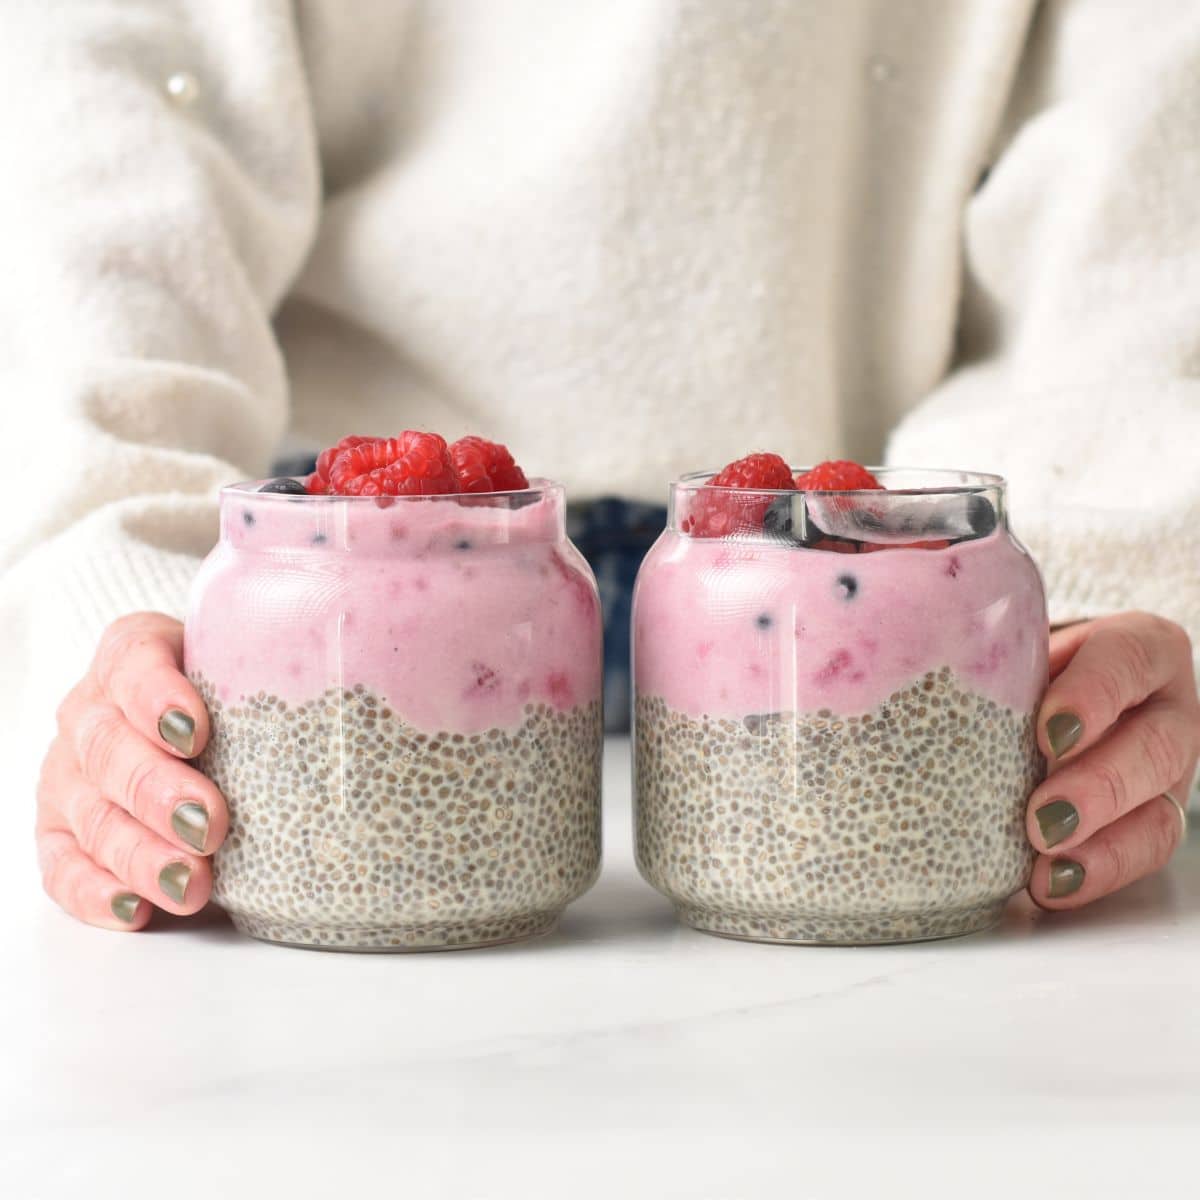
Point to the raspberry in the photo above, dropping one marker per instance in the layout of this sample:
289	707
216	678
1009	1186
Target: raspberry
840	547
761	471
483	466
844	476
933	544
718	514
318	482
837	476
413	464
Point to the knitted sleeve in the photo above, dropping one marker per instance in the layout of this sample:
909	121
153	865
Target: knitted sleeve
1076	371
161	191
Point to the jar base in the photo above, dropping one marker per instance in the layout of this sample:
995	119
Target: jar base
878	930
398	939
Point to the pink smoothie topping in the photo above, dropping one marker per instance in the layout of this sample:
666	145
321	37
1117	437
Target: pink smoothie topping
455	611
728	628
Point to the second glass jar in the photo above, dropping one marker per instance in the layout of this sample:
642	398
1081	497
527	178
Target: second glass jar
833	744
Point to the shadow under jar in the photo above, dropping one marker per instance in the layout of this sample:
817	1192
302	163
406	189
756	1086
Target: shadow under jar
835	696
406	724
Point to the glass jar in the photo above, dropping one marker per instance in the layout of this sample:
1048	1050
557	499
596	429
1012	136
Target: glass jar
406	716
835	702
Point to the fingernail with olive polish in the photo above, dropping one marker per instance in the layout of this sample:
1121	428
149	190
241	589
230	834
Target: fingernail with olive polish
1057	821
1063	730
173	879
177	729
190	821
1066	878
125	906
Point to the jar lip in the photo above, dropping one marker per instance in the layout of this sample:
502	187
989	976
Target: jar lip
963	482
247	489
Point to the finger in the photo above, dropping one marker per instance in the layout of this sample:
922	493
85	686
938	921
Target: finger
1064	642
83	889
176	881
164	794
1123	660
137	667
1135	846
1145	754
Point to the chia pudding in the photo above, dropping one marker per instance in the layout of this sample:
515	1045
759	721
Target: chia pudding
832	748
405	707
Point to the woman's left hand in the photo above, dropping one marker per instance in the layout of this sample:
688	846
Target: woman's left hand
1120	726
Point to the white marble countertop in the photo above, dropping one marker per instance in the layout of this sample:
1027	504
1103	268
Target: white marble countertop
622	1056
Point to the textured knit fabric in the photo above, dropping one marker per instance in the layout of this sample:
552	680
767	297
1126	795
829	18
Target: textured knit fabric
627	237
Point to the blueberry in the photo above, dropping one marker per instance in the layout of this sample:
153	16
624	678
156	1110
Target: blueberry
463	544
849	586
777	520
764	621
247	516
319	539
981	516
285	487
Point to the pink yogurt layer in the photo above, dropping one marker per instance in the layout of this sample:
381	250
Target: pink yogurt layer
726	628
457	615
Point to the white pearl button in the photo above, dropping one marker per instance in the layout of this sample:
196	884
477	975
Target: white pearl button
880	69
182	87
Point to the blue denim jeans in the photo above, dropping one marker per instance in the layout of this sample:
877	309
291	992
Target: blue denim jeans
614	536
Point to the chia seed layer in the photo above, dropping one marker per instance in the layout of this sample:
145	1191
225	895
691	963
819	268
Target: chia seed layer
902	824
352	830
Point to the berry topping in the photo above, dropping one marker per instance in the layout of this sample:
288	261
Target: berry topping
863	526
413	464
782	520
761	471
717	514
837	476
483	466
318	482
285	487
981	516
779	520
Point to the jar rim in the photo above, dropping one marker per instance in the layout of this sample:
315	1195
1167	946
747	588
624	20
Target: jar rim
247	489
941	483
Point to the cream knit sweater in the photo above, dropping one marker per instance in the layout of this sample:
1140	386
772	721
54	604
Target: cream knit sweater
627	237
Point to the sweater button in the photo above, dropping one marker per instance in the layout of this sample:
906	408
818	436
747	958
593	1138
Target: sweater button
183	88
880	69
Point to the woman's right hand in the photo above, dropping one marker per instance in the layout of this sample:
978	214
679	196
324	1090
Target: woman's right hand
123	822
